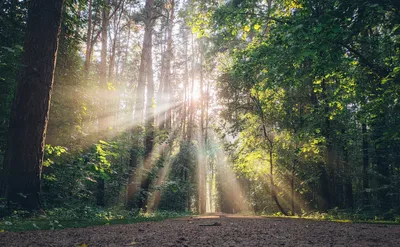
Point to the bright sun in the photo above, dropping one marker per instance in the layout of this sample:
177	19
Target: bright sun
196	94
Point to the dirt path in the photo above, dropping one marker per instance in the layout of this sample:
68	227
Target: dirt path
215	231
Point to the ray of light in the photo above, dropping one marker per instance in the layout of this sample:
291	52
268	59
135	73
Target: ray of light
233	189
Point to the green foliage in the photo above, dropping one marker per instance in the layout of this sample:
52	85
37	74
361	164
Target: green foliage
177	192
71	178
301	83
78	217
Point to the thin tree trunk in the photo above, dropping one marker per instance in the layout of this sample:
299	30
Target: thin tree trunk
273	188
29	117
88	41
168	66
206	140
324	198
203	176
117	20
112	74
292	190
185	87
191	106
382	163
126	52
348	185
365	147
103	123
330	197
161	89
271	164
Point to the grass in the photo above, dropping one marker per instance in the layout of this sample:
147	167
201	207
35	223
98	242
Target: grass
345	217
65	218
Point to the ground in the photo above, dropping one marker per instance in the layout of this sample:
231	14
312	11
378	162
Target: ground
214	230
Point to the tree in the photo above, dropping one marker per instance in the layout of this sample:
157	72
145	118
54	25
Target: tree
149	113
145	75
29	117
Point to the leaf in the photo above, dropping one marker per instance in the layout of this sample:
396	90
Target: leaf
257	26
83	245
110	86
131	243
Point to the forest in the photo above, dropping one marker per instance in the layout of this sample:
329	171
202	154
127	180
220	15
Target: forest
267	107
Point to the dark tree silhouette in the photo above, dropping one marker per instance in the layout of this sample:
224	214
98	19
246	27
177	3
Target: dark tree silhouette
29	117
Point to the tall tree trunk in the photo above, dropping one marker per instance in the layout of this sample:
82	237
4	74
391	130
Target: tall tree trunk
88	40
185	87
325	180
292	188
145	64
365	167
112	73
116	24
168	66
348	185
103	125
161	89
203	164
27	131
382	163
191	105
103	116
149	133
126	52
272	184
273	191
207	103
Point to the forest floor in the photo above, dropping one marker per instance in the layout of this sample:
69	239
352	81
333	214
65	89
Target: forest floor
214	230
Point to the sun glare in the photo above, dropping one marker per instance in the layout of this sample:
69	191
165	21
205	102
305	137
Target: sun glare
196	95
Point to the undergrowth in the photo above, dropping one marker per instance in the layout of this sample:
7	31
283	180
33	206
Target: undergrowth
60	218
348	216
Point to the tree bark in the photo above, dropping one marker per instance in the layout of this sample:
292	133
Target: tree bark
382	162
149	131
185	86
88	40
325	180
273	188
103	123
348	185
29	118
271	175
365	147
145	65
191	105
203	160
168	66
292	188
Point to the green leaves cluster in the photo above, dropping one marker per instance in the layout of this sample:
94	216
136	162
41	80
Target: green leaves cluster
304	86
